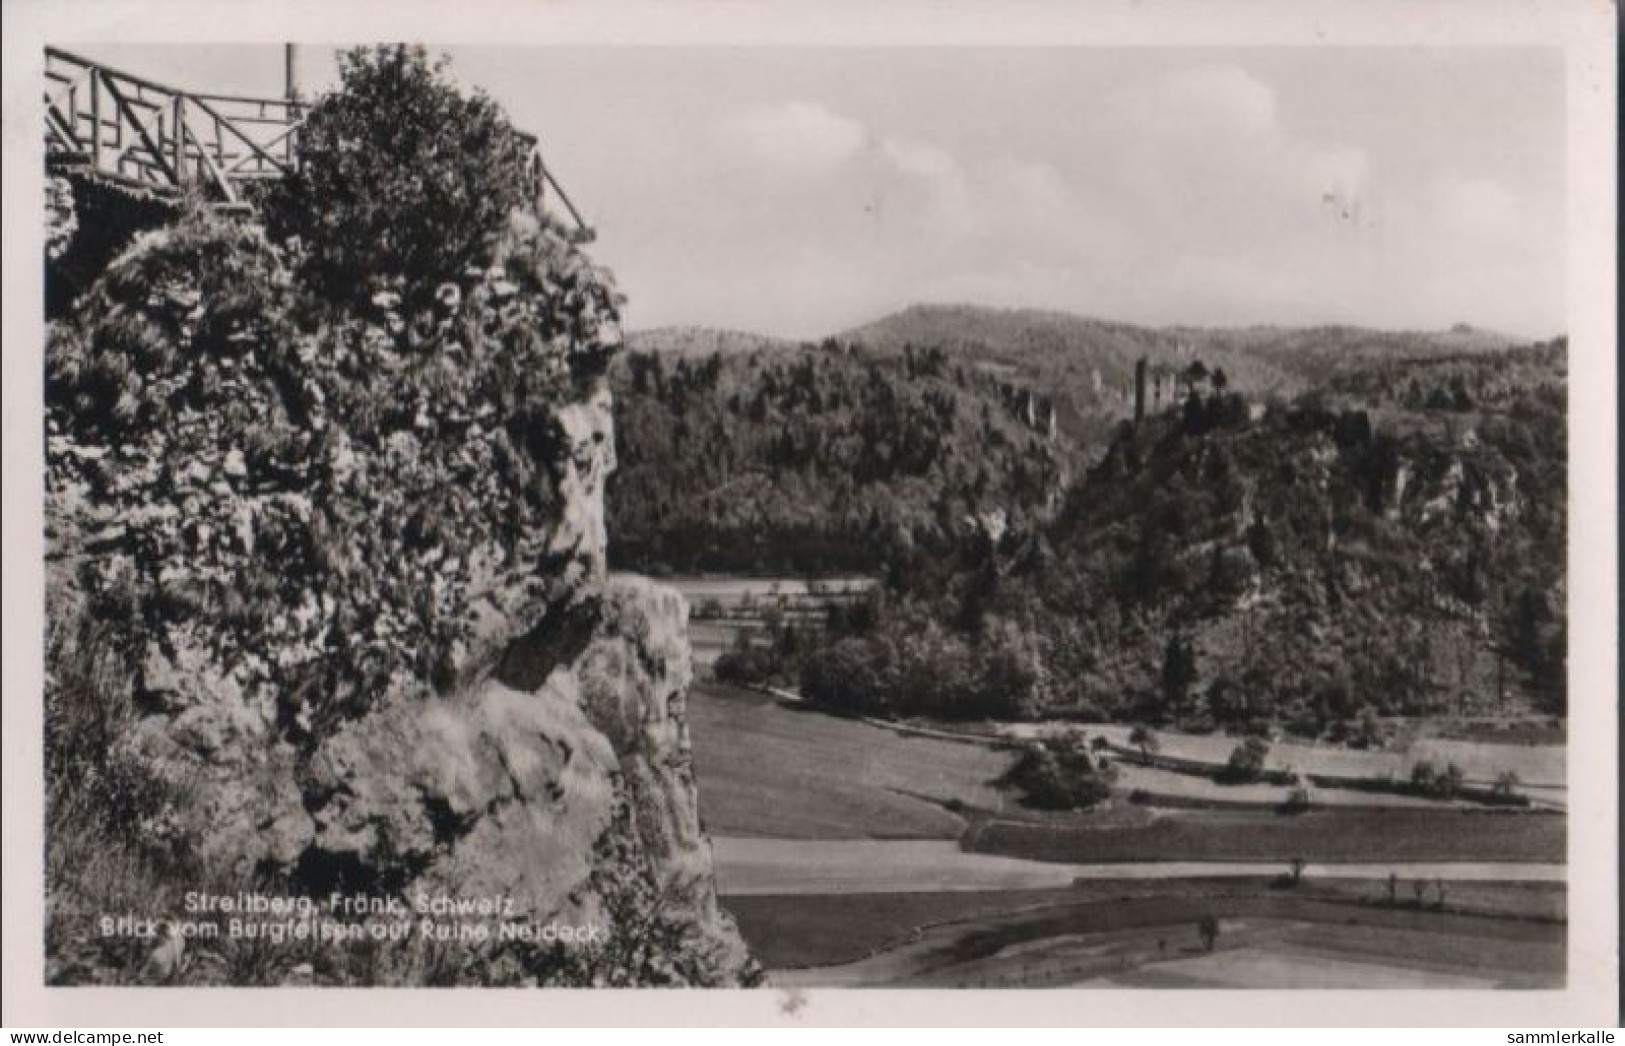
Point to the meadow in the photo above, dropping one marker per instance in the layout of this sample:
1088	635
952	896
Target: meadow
767	768
1132	932
858	853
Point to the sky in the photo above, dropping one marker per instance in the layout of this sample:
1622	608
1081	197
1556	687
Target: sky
804	191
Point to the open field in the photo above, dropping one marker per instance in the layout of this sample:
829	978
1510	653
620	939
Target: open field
1279	963
1134	933
1161	782
773	768
1320	835
814	866
768	770
1481	761
857	853
729	589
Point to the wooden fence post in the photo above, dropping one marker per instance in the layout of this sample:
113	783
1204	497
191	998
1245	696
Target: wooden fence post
95	119
180	140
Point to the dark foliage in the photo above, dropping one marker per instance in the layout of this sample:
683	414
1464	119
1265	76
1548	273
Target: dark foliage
403	182
816	459
1060	773
1332	563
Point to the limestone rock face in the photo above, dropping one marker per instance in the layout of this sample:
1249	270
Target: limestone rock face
356	576
633	678
496	792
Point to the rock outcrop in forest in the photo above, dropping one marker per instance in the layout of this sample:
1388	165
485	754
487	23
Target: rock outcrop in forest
329	612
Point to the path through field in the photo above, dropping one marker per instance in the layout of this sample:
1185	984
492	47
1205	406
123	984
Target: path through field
794	866
856	853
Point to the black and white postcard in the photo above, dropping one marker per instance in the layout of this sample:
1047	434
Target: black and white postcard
1110	499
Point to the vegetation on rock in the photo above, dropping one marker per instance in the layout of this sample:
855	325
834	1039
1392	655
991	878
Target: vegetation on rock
403	182
326	565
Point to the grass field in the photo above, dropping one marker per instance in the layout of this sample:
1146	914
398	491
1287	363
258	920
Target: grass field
1161	782
809	866
1134	933
856	854
809	930
1481	761
1321	835
765	769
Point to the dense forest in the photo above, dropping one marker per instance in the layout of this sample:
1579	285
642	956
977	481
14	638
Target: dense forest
1387	539
819	458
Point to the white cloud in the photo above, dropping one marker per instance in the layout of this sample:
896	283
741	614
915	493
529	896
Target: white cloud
796	135
1222	99
923	160
1210	193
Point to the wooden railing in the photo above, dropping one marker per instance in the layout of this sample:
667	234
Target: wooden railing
541	179
147	135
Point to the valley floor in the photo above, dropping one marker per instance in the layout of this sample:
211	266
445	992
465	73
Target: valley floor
855	853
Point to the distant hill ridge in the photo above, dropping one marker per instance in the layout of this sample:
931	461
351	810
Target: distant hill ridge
703	341
1002	329
1087	363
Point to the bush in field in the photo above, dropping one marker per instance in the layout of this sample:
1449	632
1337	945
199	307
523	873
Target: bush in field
1146	741
1060	774
404	181
1428	780
1297	802
747	664
1208	929
1246	763
847	677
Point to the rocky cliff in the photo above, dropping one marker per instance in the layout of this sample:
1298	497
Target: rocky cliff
331	582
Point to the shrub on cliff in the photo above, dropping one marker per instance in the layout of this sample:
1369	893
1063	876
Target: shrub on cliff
403	180
195	317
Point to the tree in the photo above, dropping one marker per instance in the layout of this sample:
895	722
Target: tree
1059	774
1506	785
403	181
1143	739
1246	762
1178	670
1208	928
1368	729
1536	640
1261	543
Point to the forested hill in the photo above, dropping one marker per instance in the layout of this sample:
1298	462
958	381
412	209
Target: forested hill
1223	564
703	341
1087	364
818	458
744	452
